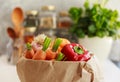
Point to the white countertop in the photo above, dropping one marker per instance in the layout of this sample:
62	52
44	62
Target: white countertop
8	72
111	72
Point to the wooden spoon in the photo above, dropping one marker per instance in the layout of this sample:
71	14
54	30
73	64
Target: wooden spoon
17	19
17	16
11	33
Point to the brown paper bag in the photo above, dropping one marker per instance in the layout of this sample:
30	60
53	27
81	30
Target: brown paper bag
58	71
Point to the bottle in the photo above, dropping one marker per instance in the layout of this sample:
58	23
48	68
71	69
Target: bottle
31	21
64	21
47	17
31	24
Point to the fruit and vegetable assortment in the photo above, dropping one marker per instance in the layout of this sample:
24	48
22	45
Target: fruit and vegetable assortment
59	49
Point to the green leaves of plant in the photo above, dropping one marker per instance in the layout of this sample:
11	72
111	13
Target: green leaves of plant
75	13
86	4
96	21
80	33
92	29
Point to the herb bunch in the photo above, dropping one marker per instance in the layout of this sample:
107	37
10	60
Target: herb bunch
94	21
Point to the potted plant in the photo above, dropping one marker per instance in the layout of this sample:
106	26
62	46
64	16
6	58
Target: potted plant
95	27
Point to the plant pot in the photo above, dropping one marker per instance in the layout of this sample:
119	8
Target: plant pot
101	47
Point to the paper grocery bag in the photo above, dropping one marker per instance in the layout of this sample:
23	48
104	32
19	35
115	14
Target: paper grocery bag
58	71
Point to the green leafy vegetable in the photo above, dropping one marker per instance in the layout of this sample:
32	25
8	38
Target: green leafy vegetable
94	21
75	13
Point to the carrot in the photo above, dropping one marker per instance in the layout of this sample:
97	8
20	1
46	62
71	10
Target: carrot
29	54
50	54
39	55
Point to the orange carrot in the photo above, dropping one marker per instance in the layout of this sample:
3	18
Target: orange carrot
29	54
39	55
50	54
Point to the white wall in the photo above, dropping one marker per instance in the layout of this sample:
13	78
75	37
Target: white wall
6	7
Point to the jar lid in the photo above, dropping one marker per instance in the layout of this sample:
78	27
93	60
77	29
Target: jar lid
48	8
63	13
32	12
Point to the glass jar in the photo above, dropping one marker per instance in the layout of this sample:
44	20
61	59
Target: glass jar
64	21
31	21
47	17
